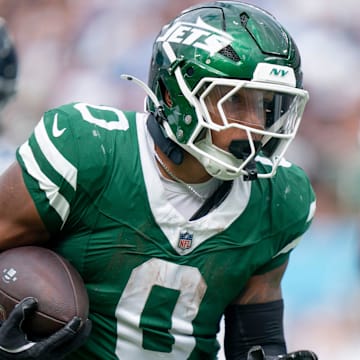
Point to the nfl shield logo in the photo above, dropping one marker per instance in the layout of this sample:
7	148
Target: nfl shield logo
185	240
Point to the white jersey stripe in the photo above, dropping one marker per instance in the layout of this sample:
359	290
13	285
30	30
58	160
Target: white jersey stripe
311	211
288	247
54	156
56	200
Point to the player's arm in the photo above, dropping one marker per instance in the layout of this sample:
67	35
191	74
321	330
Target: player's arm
256	317
20	223
254	321
263	288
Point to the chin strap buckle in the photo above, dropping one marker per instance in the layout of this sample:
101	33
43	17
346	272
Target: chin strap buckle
251	170
241	149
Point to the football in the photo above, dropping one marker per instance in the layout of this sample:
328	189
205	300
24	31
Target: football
41	273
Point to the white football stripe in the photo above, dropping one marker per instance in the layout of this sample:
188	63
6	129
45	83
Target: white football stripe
56	200
54	156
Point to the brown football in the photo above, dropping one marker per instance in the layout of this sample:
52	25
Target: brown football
41	273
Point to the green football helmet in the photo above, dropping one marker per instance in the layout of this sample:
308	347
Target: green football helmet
223	65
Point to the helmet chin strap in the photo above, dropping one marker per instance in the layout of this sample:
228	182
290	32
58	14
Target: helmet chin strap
241	150
173	151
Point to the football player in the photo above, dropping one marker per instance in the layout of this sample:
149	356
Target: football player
180	215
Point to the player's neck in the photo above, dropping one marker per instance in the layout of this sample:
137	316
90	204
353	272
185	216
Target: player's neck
189	171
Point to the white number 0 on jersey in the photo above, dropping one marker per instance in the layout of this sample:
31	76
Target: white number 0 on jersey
130	309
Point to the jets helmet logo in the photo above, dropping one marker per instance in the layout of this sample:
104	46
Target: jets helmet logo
199	35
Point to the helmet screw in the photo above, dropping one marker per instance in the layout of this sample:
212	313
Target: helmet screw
179	134
188	119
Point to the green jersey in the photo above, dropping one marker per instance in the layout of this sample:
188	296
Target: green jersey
158	283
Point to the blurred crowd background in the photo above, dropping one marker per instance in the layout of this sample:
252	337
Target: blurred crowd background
76	50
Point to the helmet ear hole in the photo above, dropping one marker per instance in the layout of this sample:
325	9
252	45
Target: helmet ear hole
165	94
167	99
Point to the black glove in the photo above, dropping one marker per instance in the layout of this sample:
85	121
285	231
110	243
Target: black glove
14	344
257	353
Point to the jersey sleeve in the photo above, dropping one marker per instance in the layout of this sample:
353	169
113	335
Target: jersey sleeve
293	209
66	158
